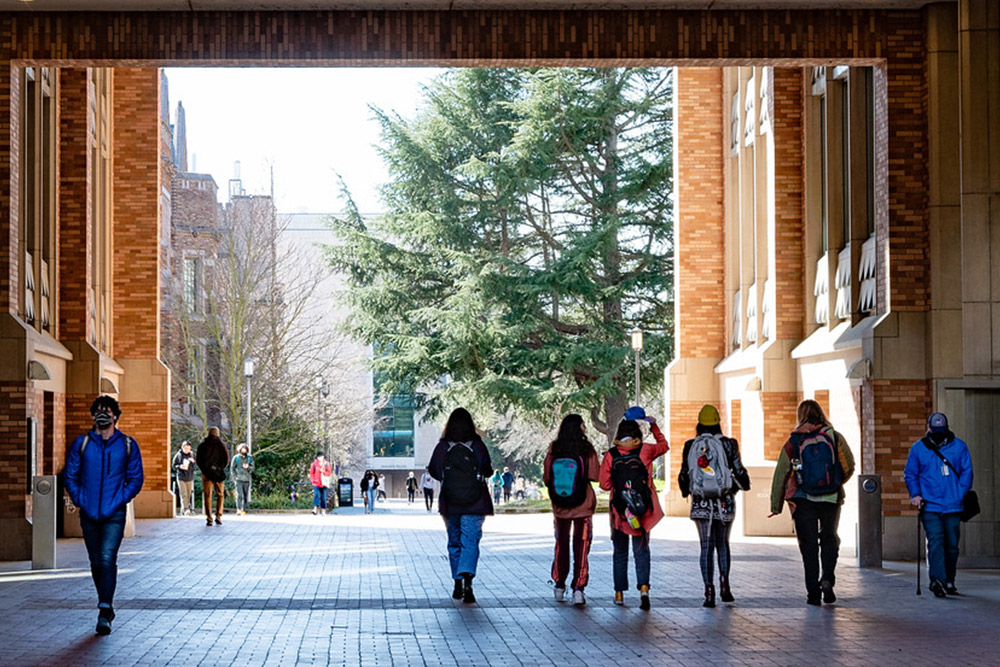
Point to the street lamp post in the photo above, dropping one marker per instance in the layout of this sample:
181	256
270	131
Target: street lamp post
324	391
637	346
248	373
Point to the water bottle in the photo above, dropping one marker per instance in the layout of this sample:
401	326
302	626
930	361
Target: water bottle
632	519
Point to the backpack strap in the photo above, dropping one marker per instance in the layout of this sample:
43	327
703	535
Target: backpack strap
83	445
940	455
128	446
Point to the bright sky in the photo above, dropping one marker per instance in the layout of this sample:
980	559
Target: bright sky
308	122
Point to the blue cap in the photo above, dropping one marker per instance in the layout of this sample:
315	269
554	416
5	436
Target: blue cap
635	412
937	423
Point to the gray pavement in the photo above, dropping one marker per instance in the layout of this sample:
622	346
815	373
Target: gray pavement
293	589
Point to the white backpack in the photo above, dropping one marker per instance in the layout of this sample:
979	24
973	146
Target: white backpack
713	479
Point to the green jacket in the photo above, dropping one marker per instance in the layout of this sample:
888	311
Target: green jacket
783	485
239	473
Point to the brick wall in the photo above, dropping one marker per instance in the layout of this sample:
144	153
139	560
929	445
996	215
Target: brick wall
789	184
683	421
700	264
734	427
779	409
148	423
899	417
18	404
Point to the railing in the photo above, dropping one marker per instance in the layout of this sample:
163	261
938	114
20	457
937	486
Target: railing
821	289
843	284
752	314
866	274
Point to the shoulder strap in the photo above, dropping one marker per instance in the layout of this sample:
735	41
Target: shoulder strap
940	456
83	445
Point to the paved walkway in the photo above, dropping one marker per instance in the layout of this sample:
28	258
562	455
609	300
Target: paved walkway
281	589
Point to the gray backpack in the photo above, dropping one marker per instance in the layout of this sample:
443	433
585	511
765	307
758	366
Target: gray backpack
708	468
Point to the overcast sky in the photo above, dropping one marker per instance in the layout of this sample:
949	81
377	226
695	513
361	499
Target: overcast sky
308	122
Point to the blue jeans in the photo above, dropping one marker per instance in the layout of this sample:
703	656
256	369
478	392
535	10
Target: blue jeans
319	496
640	551
943	531
464	533
370	494
103	538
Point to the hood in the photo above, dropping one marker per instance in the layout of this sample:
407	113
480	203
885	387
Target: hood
809	427
628	443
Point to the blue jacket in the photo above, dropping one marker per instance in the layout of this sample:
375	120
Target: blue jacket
927	476
105	477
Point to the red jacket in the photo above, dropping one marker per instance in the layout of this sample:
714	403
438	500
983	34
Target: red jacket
648	454
316	472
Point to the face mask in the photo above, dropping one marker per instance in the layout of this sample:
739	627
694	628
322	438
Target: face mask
103	420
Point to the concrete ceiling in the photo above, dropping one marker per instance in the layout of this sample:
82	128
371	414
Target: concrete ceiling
288	5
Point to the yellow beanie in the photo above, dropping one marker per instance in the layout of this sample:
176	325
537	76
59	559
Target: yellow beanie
708	416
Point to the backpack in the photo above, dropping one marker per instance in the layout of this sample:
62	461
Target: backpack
814	460
462	482
128	446
630	482
708	468
568	484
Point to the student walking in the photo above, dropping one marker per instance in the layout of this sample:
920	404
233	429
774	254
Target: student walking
496	482
184	467
711	473
813	466
320	473
242	472
369	487
627	471
462	464
570	466
213	459
938	474
103	474
411	488
427	484
508	484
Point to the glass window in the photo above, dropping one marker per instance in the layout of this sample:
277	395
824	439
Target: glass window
393	432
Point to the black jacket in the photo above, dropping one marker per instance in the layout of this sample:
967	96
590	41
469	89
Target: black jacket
213	459
182	474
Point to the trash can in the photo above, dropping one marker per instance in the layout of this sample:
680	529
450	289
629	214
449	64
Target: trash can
869	521
345	492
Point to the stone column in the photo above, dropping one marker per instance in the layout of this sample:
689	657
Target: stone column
145	387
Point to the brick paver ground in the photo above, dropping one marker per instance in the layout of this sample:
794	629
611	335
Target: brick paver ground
281	589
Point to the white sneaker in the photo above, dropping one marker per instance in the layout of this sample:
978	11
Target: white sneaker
578	598
560	594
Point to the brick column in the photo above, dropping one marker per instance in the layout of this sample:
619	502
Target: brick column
145	389
699	260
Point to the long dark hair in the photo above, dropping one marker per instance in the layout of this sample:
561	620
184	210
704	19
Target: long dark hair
571	439
460	427
628	428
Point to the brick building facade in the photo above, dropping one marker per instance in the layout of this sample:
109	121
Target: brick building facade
80	287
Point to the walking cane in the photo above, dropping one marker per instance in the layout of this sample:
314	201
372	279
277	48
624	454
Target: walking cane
919	557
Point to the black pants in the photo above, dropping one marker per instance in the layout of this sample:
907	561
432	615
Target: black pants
410	493
429	498
816	530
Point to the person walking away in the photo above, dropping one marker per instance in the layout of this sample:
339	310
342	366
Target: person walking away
711	473
103	473
938	474
242	471
213	459
570	466
496	482
411	488
462	464
427	484
369	487
813	466
184	467
319	476
380	489
508	484
627	472
520	485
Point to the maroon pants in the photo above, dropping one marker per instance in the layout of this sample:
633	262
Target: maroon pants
583	532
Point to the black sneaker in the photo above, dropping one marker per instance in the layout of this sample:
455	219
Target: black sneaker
950	589
459	590
828	595
104	618
467	596
813	600
937	588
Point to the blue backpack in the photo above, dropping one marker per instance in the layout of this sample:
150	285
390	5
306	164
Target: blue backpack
814	460
568	485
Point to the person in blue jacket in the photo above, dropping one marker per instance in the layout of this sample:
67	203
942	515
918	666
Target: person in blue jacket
103	473
938	474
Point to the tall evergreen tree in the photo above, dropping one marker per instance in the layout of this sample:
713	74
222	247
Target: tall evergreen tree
527	230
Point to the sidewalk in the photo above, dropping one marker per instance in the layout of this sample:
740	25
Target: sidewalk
294	589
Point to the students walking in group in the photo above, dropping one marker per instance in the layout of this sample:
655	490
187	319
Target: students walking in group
813	466
570	466
711	473
103	473
213	459
369	488
411	488
320	473
242	471
462	464
427	484
184	467
627	471
938	475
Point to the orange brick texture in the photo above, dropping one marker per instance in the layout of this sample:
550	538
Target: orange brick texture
779	419
700	264
683	421
19	404
899	410
734	427
149	424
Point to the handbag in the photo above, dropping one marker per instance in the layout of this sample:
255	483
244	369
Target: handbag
970	501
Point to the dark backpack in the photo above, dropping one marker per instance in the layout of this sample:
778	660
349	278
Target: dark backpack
630	482
568	482
814	460
462	482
